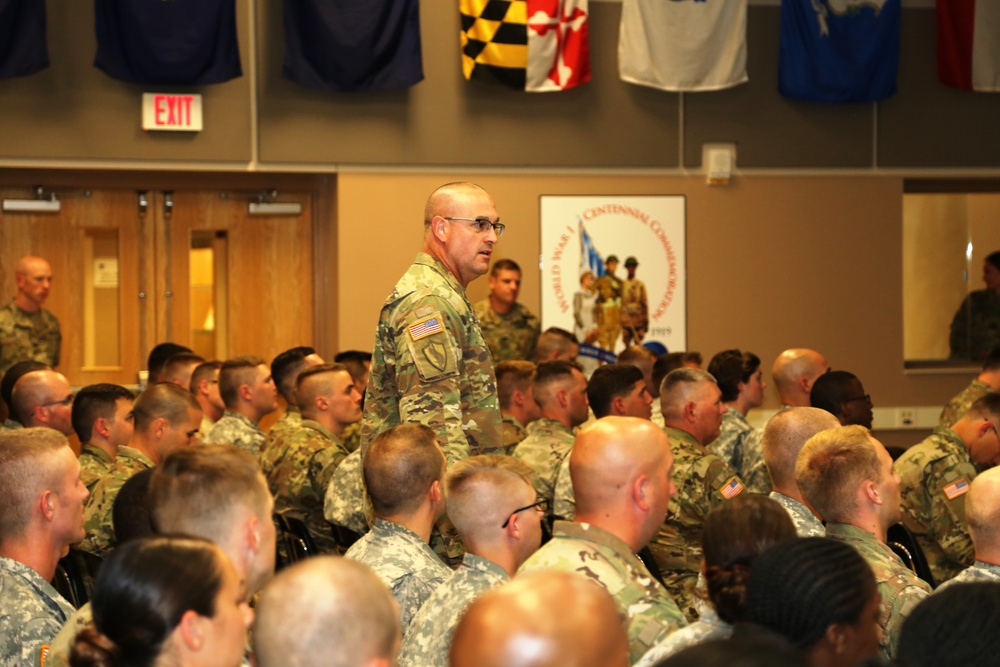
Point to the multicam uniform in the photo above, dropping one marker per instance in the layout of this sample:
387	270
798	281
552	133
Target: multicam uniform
806	523
28	336
236	429
95	464
564	500
277	439
510	336
956	408
97	514
31	613
513	432
740	445
547	444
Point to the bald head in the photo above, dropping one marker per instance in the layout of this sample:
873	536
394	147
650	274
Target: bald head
982	512
784	435
543	619
450	198
794	372
33	277
326	611
44	398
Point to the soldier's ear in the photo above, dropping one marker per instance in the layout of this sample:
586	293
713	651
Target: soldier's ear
439	228
101	426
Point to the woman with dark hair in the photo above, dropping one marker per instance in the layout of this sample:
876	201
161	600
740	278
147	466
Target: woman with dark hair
820	595
741	381
165	600
735	533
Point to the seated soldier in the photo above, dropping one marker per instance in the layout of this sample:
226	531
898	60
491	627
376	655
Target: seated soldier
102	419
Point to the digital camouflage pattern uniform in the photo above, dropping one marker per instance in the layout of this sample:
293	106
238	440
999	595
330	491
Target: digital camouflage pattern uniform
513	433
510	336
646	609
95	464
547	444
345	495
277	439
300	476
935	476
806	523
236	429
705	629
979	571
97	514
741	446
62	643
901	590
31	613
429	639
703	482
28	336
404	562
956	408
564	500
431	365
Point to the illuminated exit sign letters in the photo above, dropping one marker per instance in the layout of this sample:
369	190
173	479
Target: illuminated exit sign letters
161	111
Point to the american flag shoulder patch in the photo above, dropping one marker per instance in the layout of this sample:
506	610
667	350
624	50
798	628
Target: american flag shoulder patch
425	327
732	488
956	489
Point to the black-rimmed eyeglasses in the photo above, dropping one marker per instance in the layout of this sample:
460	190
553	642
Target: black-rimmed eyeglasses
63	401
482	225
540	505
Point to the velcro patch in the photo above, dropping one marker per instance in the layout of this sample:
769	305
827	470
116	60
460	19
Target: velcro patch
732	488
43	655
426	327
956	489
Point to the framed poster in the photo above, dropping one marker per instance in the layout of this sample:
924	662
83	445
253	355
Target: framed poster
613	271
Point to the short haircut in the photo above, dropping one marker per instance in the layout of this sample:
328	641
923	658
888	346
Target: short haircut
204	491
205	371
955	626
608	383
31	390
159	355
663	365
163	401
994	259
439	200
830	389
130	512
554	340
549	373
987	407
355	361
305	398
286	368
504	265
173	368
96	401
831	466
678	387
478	492
635	354
400	466
26	470
982	511
233	374
512	375
992	361
730	368
11	377
784	435
692	358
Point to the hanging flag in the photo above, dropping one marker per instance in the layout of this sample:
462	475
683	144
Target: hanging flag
180	42
353	45
23	47
590	259
533	45
839	51
683	45
968	44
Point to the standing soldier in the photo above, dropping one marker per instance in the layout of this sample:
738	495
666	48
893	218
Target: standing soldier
28	331
511	330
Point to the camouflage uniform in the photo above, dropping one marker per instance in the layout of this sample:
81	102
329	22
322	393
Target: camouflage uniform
975	329
645	608
277	439
404	562
564	500
28	336
705	629
979	571
95	464
935	476
740	445
635	311
956	408
703	481
300	477
97	514
351	437
205	427
62	643
510	336
345	496
547	444
513	433
431	365
806	523
31	613
12	425
236	429
429	639
900	589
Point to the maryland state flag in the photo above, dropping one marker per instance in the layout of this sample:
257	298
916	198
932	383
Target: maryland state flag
533	45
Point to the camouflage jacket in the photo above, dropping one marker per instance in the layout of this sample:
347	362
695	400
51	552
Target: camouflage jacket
564	500
205	426
31	613
513	432
236	429
740	445
979	571
97	514
404	562
95	464
547	444
62	643
956	408
344	503
301	475
28	336
935	476
429	639
703	481
351	437
510	336
277	439
806	523
431	365
900	589
646	609
705	629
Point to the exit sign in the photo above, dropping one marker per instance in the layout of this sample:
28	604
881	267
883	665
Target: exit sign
161	111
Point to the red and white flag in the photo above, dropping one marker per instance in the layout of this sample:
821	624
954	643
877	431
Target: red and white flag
968	44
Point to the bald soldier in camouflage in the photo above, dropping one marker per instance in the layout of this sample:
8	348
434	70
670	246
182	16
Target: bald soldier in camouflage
936	475
988	380
28	331
431	364
692	411
511	330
